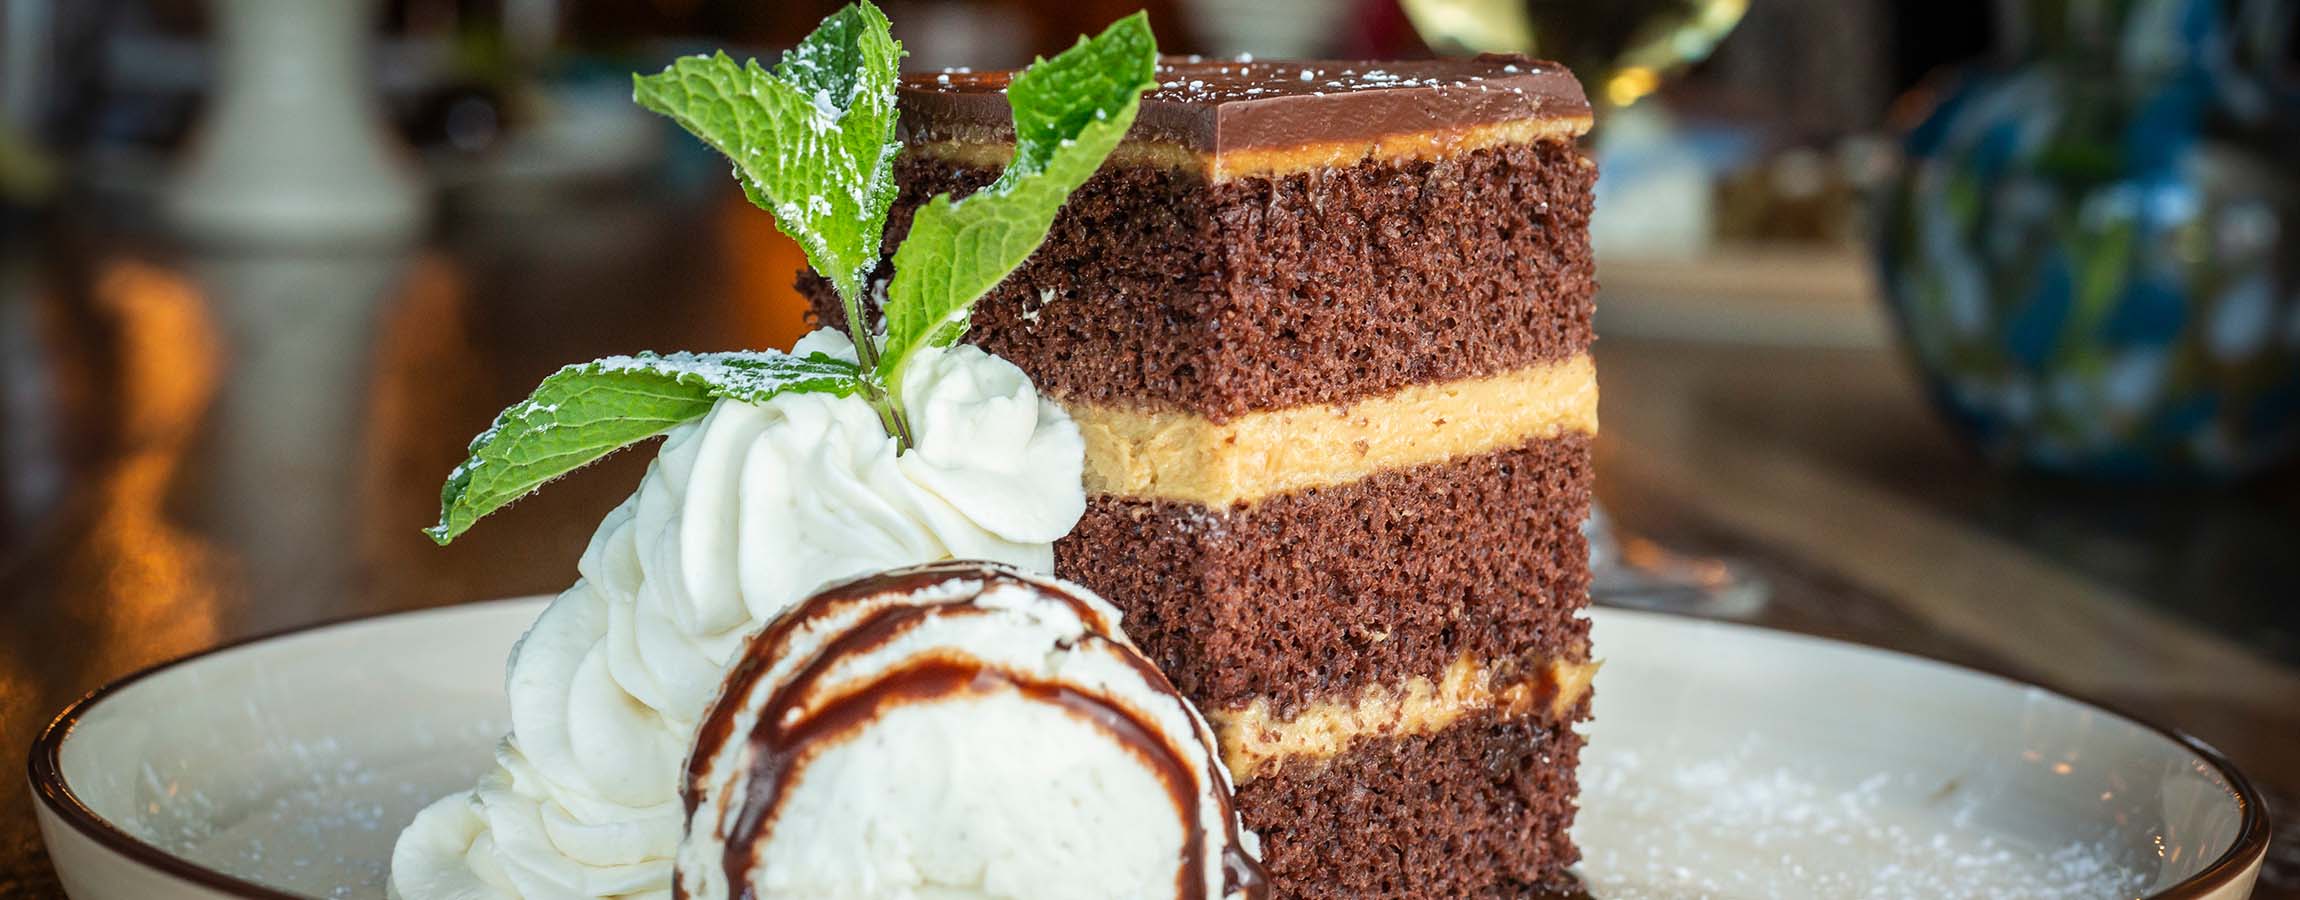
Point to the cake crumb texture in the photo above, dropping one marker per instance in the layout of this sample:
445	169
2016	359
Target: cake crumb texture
1158	290
1479	809
1316	594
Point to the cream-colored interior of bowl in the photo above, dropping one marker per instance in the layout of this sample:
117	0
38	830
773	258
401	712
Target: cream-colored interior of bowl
295	762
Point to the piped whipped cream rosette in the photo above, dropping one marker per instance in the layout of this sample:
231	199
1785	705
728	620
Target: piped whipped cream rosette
957	729
741	514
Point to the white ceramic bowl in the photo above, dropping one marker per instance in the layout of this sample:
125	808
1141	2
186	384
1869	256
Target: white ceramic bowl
1725	761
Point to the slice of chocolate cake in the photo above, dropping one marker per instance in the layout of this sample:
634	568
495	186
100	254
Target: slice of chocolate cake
1325	328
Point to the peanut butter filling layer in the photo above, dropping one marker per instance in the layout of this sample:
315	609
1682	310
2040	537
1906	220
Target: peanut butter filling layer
1178	456
1269	162
1253	740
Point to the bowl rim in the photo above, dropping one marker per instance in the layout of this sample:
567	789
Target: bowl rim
46	764
54	792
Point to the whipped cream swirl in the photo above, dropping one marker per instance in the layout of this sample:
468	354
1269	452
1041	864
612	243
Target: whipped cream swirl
741	515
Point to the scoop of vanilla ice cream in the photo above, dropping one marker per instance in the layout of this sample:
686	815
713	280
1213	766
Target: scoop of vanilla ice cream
957	730
741	514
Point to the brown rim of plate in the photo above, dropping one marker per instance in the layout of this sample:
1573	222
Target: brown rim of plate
49	786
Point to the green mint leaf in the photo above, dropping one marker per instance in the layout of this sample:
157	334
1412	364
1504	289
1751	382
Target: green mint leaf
1069	113
812	140
584	412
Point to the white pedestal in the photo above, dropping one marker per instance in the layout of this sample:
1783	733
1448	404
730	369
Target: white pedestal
292	151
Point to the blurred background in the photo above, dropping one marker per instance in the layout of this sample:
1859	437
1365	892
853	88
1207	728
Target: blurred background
1967	327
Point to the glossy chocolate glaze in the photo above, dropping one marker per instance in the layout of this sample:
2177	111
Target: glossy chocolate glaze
781	739
1214	106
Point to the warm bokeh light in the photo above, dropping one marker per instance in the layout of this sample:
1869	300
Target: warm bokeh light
160	582
1629	85
423	341
763	266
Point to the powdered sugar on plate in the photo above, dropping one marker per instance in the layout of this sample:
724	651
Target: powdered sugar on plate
325	824
1743	825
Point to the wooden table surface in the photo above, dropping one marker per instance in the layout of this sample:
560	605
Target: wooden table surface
200	446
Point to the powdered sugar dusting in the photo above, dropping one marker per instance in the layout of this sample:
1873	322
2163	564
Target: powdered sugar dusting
1734	827
1199	82
1030	311
323	824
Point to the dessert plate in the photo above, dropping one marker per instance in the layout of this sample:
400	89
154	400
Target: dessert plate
1725	762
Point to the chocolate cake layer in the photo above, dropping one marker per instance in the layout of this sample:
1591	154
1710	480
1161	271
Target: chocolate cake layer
1158	290
1320	593
1222	105
1479	809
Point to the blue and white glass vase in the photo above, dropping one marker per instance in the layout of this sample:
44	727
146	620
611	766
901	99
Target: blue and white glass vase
2094	250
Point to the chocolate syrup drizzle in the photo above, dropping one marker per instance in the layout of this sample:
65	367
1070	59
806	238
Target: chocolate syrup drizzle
780	740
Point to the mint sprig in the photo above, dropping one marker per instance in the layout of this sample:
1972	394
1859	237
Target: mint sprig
584	412
1069	113
812	140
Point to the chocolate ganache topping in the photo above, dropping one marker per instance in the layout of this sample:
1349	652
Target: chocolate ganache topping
1220	105
834	697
